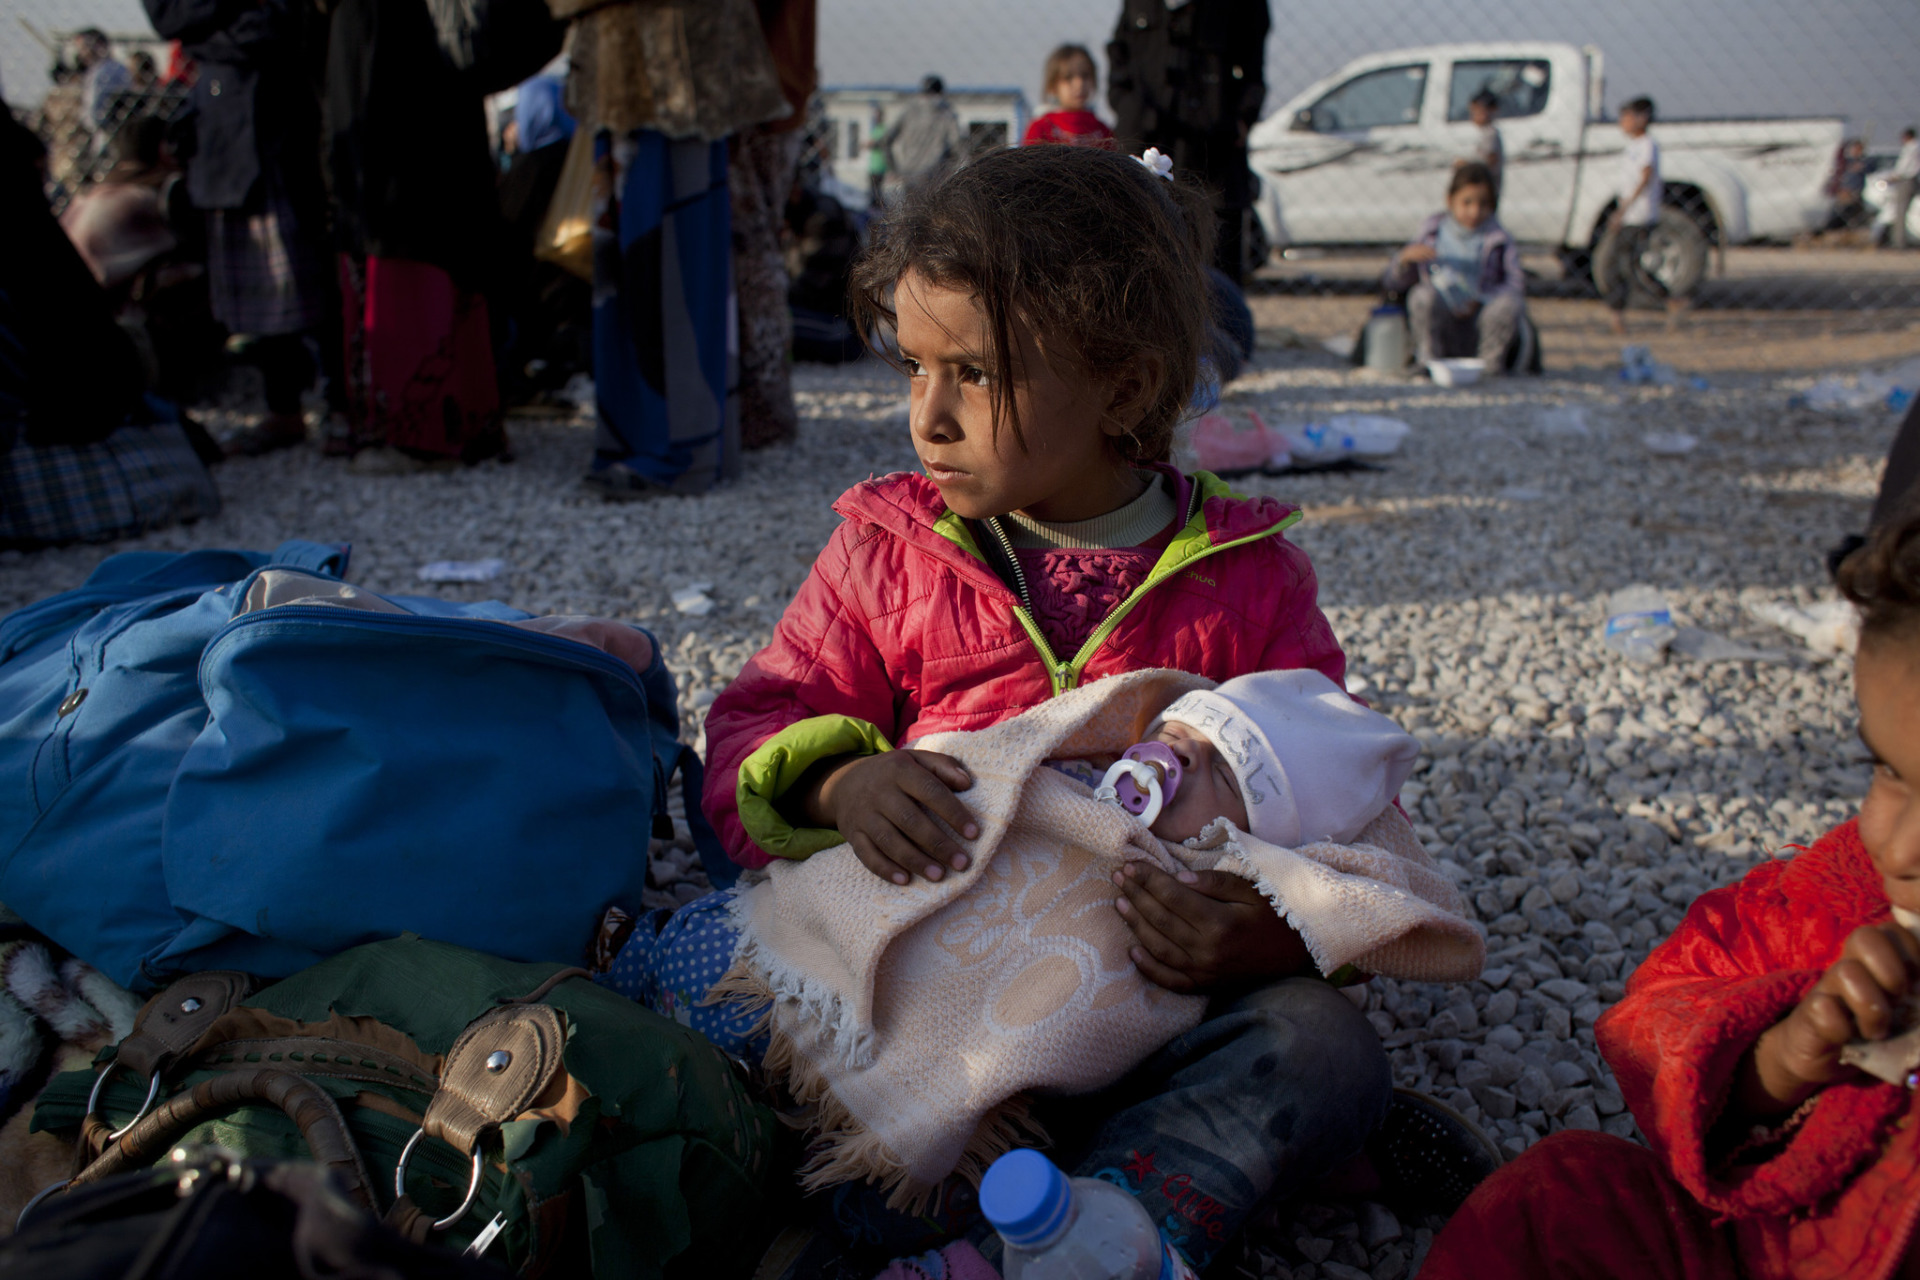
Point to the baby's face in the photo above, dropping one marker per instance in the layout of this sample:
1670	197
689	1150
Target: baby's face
1208	789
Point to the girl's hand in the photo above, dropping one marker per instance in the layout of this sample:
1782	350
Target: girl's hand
1417	253
885	806
1204	929
1854	1000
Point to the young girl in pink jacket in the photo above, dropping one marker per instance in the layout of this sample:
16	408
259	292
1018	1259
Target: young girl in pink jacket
1049	308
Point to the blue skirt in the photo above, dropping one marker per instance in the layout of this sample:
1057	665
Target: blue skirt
663	305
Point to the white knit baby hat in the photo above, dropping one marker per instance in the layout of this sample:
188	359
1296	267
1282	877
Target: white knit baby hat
1312	763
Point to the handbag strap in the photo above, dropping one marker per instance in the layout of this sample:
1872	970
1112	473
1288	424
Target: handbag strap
505	1059
174	1020
311	1108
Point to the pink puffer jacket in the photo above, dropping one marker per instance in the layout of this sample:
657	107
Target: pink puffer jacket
903	629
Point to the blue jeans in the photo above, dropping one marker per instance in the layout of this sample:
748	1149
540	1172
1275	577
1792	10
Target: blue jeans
1258	1102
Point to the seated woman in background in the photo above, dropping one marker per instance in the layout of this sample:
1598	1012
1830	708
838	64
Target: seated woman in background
1465	291
85	453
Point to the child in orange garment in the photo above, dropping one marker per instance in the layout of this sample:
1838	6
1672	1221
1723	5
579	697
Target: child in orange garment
1070	79
1771	1158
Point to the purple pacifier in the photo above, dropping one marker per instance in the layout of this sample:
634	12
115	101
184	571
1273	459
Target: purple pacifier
1136	785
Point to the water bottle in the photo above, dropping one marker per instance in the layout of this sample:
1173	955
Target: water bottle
1387	340
1639	627
1057	1228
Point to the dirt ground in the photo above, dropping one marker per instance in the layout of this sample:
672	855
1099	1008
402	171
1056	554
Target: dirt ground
1775	311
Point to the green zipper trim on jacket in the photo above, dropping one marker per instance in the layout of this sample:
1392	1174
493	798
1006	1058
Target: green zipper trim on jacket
1063	676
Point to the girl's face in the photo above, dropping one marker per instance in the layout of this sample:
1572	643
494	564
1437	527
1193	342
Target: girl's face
1208	789
1471	206
1069	470
1886	680
1074	89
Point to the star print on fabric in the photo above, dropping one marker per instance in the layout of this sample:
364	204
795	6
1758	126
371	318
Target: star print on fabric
1140	1168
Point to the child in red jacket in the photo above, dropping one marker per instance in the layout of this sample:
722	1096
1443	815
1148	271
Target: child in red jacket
1070	81
1771	1157
1049	308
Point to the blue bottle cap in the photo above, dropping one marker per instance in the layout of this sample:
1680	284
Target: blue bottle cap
1026	1198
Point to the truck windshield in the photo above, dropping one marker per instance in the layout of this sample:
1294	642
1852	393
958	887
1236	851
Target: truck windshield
1388	96
1520	84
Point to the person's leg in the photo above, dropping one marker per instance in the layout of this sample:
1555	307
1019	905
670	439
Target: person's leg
1499	319
1581	1206
286	369
761	173
1258	1101
1424	314
1900	196
1626	253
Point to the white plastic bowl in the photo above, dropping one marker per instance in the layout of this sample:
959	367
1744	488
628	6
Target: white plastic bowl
1456	373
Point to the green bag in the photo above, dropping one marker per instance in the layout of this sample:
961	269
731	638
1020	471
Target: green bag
586	1133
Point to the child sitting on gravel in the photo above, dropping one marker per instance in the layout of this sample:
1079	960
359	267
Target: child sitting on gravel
1767	1048
1049	308
1014	967
875	985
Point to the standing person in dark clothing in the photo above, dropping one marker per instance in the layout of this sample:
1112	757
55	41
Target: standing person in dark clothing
1188	77
419	222
548	309
255	171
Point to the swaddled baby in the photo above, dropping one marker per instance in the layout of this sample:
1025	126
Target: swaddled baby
1285	756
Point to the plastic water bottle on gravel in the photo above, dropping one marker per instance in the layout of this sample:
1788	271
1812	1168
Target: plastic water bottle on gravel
1639	627
1061	1228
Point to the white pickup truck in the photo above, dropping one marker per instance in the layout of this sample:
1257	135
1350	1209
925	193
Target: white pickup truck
1360	157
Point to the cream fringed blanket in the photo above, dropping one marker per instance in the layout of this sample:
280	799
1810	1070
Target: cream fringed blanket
912	1018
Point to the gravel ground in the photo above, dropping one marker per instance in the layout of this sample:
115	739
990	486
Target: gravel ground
1580	802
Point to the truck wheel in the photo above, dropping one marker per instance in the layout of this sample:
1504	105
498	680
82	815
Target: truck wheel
1671	263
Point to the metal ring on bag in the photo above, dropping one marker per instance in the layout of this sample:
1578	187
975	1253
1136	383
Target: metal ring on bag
20	1222
400	1181
99	1082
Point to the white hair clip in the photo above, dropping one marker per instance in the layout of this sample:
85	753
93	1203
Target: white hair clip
1154	162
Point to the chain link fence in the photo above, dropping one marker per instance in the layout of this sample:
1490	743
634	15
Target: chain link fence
1778	125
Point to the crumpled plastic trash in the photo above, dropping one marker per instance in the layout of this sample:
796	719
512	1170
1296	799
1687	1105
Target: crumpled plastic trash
1837	392
693	599
462	570
1567	420
1708	646
1224	444
1670	444
1638	367
1829	627
1360	436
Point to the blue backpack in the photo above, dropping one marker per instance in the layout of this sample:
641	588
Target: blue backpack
187	785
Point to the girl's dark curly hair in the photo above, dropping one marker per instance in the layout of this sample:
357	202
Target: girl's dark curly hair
1883	578
1101	259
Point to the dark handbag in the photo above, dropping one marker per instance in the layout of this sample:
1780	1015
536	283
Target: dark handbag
214	1216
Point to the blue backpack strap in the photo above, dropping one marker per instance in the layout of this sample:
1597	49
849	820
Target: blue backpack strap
671	755
721	870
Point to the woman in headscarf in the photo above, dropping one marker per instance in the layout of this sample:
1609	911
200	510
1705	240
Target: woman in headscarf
256	173
84	454
663	84
419	221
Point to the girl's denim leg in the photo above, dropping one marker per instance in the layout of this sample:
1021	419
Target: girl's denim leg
1262	1099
